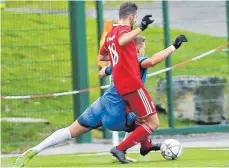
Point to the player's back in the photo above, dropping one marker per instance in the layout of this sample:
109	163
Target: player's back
124	61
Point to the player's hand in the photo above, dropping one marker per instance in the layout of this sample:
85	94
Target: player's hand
145	22
179	40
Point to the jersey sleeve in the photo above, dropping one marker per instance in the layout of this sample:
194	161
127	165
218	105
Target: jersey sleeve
141	59
103	50
108	70
123	30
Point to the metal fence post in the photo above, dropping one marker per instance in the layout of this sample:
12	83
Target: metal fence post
168	64
227	16
79	60
100	25
99	16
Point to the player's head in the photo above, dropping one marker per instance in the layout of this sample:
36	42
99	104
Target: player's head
128	11
140	45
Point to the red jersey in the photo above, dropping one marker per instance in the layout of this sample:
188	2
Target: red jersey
123	59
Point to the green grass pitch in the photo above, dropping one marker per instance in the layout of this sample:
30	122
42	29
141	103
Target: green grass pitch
191	157
42	66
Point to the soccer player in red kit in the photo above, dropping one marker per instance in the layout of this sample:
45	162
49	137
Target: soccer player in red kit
119	48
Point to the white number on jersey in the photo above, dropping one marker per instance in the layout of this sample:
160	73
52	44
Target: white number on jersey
113	53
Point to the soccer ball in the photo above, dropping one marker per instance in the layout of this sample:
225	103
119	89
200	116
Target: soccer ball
171	149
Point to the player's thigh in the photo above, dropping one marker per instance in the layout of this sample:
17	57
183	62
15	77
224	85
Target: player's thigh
115	122
77	129
91	117
140	103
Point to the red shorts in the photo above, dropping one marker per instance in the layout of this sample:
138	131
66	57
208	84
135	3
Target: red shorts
140	103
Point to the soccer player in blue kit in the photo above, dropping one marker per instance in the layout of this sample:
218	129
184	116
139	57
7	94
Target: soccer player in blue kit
108	110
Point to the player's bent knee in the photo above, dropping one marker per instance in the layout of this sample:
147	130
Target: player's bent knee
154	125
157	124
77	129
152	121
72	129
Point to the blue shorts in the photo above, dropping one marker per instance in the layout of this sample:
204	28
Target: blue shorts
97	114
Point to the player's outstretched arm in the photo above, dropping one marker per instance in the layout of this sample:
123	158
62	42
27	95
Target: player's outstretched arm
127	37
162	55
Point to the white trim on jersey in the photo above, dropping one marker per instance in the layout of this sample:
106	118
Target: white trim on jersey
143	101
146	102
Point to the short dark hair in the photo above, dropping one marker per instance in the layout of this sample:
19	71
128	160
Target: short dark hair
126	9
139	40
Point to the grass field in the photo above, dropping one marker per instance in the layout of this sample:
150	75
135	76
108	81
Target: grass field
192	157
50	5
59	5
36	59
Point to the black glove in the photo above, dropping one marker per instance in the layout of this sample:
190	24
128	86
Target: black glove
145	22
179	40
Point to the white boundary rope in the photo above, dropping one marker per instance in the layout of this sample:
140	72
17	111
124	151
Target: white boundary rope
189	60
107	86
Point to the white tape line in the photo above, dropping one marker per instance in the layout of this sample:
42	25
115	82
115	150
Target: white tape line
65	93
193	59
159	72
107	86
17	97
203	55
219	149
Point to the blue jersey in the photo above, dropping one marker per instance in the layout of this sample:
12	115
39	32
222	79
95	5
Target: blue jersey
109	109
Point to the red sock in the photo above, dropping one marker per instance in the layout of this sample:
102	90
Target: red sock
145	143
137	135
